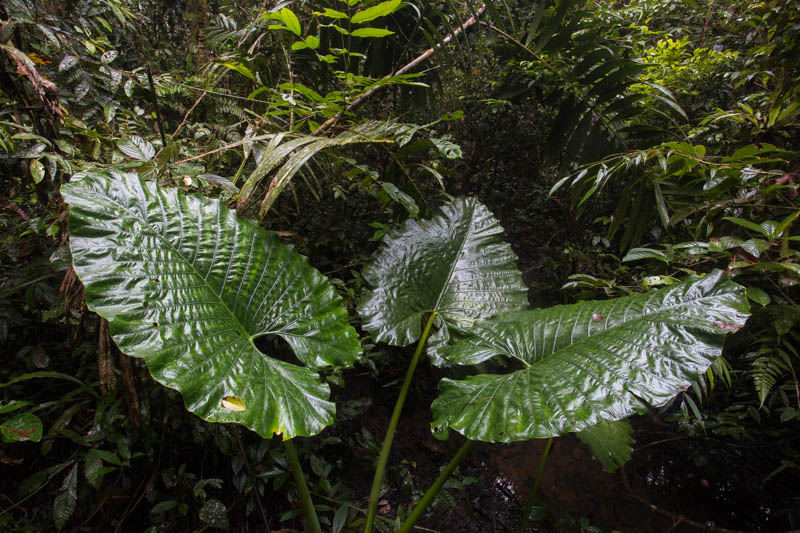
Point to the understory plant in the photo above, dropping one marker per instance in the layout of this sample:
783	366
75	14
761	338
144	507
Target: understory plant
189	287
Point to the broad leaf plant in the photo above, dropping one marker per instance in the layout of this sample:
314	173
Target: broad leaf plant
188	286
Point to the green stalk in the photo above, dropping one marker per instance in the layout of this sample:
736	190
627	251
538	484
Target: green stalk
312	523
374	492
523	523
426	500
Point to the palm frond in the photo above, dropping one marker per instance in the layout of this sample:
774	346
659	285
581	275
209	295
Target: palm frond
288	153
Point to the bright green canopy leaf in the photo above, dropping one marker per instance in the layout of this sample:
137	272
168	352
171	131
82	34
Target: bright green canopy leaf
376	11
371	32
188	287
455	264
587	362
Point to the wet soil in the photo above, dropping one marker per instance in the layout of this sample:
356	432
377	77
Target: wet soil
672	484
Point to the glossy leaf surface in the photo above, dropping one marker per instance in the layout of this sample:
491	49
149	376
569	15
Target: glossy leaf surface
588	362
455	264
24	426
188	287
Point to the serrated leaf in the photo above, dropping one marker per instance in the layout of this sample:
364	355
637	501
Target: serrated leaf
587	362
37	170
611	443
378	10
35	151
21	427
189	287
65	500
36	480
67	62
82	89
371	32
136	148
454	264
108	56
220	181
214	514
93	470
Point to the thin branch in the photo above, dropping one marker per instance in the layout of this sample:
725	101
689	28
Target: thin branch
676	518
252	480
186	116
410	66
155	105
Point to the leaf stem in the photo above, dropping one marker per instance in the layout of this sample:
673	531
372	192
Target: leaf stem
429	496
526	511
312	523
374	492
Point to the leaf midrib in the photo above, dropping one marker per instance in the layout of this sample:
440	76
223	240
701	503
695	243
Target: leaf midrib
446	284
624	322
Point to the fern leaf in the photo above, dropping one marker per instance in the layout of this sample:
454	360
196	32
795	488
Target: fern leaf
765	371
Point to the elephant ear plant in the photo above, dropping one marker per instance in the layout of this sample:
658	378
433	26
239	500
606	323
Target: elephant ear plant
189	287
455	269
585	365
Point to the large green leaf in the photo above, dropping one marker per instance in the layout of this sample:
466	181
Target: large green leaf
188	287
611	443
455	264
587	362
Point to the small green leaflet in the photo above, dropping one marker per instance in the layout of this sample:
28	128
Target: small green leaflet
371	32
376	11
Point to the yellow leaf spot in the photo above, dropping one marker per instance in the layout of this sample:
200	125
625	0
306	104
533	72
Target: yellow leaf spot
233	403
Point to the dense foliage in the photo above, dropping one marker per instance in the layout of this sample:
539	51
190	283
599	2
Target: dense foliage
633	152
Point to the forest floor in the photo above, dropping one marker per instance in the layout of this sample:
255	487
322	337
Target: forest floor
672	483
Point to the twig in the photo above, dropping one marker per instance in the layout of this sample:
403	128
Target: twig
410	66
22	214
155	105
186	116
228	147
43	485
676	518
252	480
364	511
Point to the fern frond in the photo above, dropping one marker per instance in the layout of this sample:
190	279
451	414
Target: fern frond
765	371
